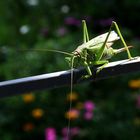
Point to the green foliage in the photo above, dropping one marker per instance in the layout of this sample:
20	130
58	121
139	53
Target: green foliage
34	24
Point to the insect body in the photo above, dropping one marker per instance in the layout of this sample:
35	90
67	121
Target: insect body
98	50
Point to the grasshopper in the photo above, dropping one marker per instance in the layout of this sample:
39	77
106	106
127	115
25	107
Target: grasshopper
98	50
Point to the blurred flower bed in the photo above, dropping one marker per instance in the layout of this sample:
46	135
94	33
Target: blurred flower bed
107	109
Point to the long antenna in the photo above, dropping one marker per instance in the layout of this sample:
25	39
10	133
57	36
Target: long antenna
49	50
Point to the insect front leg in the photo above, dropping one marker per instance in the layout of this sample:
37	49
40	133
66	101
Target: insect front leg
122	39
87	69
85	32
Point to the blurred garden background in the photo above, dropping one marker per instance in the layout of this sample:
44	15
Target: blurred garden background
106	109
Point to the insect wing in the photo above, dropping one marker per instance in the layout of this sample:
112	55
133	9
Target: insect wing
101	38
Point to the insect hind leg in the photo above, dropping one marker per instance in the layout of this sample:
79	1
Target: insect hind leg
122	39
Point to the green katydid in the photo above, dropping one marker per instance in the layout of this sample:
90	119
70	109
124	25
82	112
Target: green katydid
98	50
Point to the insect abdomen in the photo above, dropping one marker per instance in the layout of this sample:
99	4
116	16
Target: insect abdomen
108	53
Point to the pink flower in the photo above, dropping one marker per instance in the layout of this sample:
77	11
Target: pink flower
50	134
89	106
88	115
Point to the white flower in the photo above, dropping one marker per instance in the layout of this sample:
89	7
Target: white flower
65	9
32	2
24	29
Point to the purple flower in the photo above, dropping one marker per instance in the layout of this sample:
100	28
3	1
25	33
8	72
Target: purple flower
89	106
72	21
62	31
88	115
50	134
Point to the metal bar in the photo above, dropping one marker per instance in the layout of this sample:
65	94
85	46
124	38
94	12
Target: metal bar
62	78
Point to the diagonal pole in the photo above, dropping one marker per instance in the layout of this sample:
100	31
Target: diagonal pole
62	78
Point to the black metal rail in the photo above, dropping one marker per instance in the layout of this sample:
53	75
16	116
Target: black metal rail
62	78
